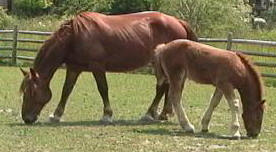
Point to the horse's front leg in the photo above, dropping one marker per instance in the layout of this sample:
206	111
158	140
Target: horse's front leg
233	102
215	100
100	78
70	81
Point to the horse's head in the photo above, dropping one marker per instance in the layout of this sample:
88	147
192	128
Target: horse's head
36	93
253	118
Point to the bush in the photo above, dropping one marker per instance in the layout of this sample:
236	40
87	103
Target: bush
131	6
211	18
5	20
30	7
71	7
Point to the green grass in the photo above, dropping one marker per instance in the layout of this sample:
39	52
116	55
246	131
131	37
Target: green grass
130	96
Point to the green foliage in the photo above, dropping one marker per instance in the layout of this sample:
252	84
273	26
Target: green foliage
131	6
5	20
209	17
71	7
270	17
30	7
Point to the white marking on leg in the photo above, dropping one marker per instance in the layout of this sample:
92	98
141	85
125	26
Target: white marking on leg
53	118
147	117
175	99
107	119
234	107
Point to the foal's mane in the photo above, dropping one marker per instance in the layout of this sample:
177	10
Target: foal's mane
253	71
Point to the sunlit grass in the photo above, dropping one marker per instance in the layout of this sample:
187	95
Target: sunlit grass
130	96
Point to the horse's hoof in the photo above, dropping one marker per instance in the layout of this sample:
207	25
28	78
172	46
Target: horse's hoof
236	136
107	120
54	119
147	118
189	128
204	130
163	118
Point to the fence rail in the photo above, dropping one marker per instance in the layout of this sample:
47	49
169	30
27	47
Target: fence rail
229	41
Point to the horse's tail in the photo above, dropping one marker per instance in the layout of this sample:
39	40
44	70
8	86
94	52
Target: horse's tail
190	33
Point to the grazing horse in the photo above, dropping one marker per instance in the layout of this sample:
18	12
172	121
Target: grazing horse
99	43
182	59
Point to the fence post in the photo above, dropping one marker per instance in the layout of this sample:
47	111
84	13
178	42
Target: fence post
14	46
229	41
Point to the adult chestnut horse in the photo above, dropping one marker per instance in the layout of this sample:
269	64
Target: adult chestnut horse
182	59
98	43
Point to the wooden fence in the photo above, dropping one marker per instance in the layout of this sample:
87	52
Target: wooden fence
229	41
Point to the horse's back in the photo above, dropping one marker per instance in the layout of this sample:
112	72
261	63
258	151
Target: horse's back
122	42
202	63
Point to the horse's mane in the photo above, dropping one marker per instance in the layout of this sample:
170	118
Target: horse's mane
255	73
82	22
61	36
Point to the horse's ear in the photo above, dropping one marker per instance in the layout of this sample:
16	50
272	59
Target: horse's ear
23	71
34	74
263	101
263	104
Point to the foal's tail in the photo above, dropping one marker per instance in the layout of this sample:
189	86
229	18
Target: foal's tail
190	33
159	71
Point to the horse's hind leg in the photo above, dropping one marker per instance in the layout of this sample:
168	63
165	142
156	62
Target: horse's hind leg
168	108
215	99
233	102
100	78
70	81
152	111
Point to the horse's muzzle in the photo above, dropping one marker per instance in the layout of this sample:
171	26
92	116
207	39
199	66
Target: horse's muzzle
255	135
29	119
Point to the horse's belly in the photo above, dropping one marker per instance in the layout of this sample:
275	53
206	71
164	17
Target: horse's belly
200	77
121	64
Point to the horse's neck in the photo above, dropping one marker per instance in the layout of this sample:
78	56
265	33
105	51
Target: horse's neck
47	63
249	93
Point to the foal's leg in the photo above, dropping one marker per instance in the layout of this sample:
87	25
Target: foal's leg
162	87
215	99
70	81
168	108
234	107
174	96
100	78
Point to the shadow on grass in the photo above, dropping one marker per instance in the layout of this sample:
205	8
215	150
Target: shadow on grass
180	133
95	123
158	131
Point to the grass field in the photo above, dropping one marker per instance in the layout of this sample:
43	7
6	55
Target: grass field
130	96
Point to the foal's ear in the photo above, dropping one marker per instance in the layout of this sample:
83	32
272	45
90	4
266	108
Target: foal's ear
263	103
23	71
34	74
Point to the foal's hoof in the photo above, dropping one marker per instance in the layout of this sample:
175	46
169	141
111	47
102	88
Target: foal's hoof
163	118
236	136
189	129
54	119
107	120
147	118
